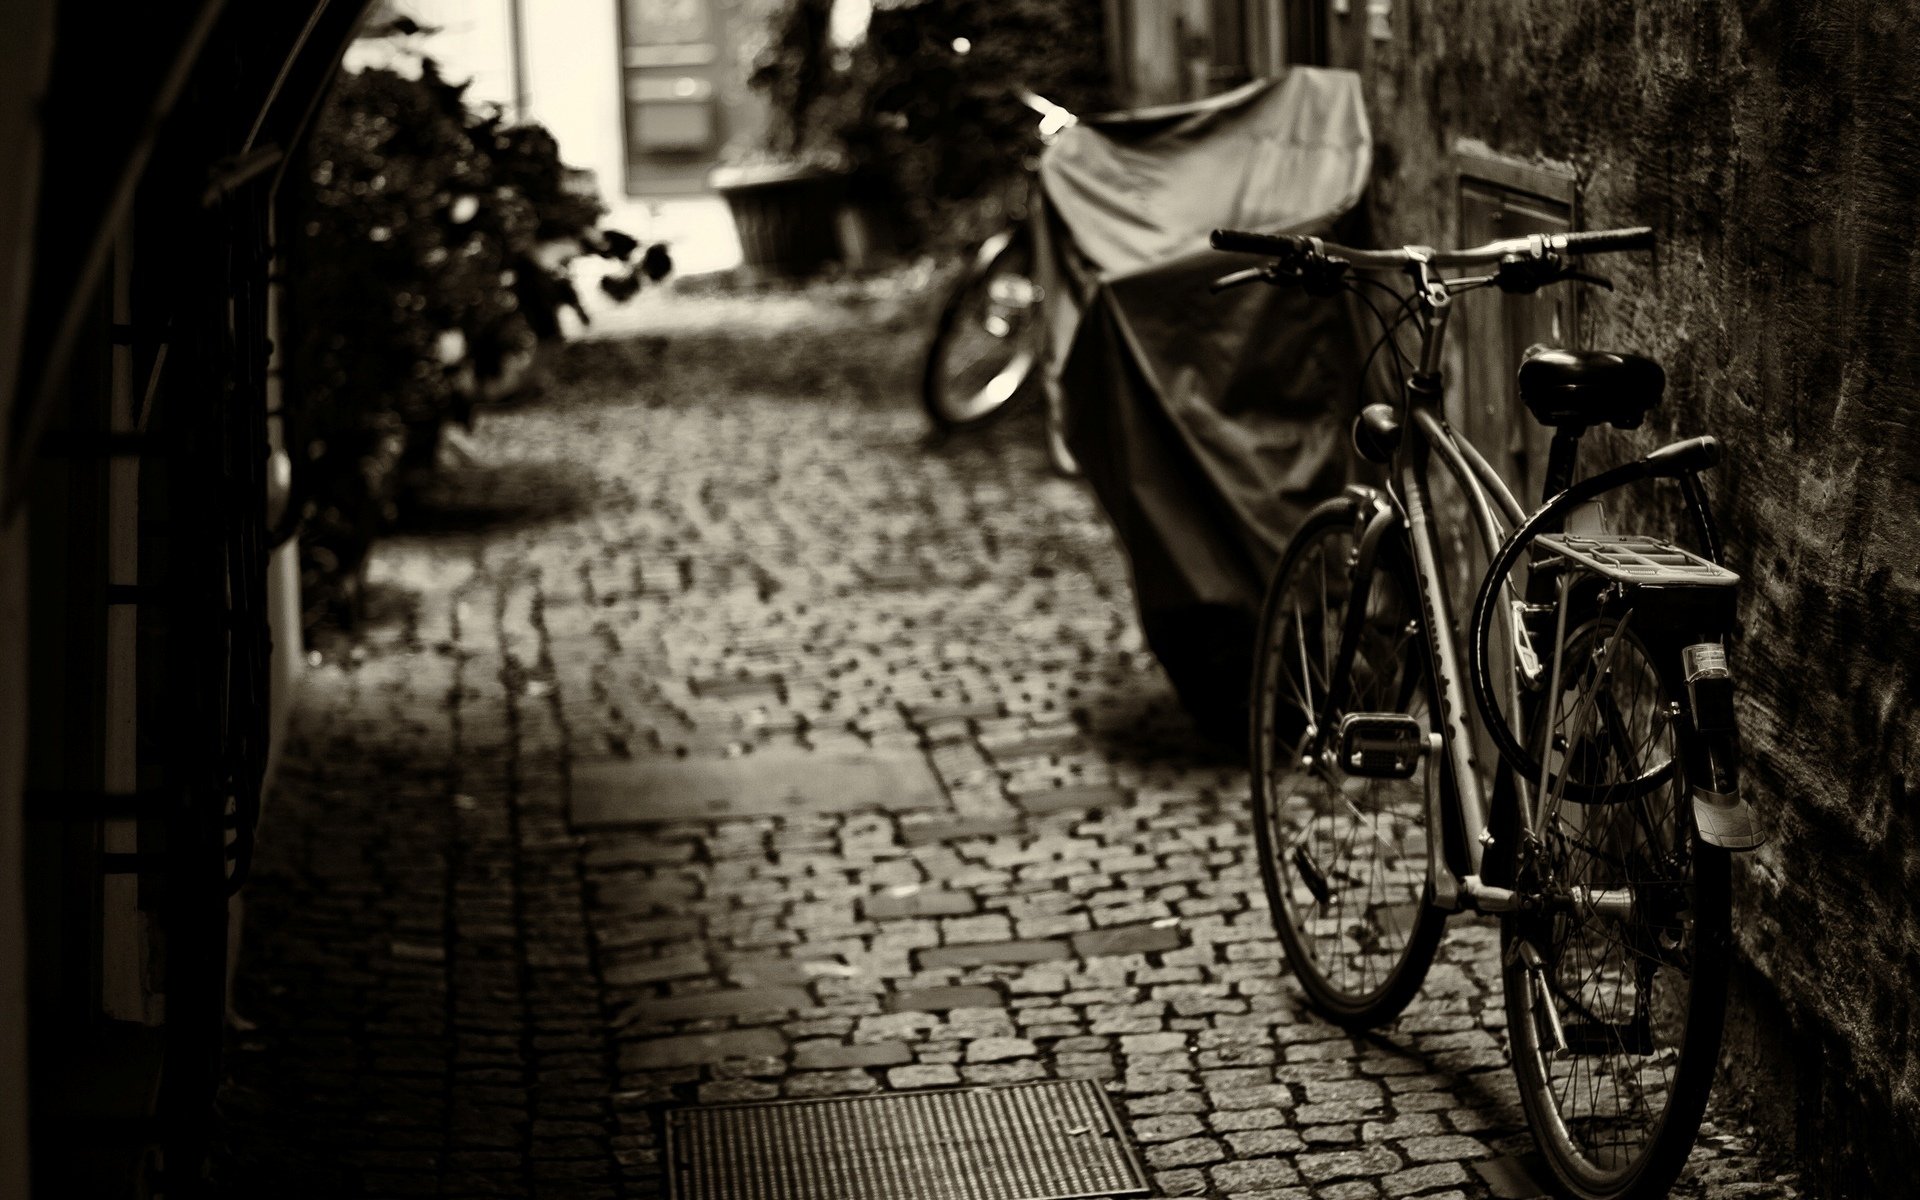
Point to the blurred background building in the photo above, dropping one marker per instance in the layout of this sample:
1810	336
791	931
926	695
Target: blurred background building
651	95
644	94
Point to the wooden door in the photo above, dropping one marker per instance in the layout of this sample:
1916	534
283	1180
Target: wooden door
672	53
1495	330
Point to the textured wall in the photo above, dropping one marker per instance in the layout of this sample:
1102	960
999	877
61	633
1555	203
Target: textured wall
1773	146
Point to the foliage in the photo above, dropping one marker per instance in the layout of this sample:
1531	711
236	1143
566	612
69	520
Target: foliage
423	277
925	108
792	70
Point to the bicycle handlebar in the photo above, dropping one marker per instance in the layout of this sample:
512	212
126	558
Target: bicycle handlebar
1602	241
1293	249
1273	245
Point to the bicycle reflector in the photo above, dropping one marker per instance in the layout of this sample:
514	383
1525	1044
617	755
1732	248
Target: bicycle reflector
1709	686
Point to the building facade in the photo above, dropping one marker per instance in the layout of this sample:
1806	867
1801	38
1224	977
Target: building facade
1163	51
147	625
647	95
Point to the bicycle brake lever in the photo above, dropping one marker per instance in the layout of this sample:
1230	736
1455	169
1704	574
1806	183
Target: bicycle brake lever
1265	273
1524	276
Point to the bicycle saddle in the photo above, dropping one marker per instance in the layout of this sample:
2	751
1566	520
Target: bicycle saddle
1583	388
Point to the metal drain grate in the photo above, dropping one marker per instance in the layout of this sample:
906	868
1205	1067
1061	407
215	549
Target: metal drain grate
1033	1141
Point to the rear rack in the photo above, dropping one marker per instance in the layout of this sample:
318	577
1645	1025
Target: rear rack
1657	577
1635	558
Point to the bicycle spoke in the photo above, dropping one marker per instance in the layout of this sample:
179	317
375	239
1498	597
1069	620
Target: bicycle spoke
1304	684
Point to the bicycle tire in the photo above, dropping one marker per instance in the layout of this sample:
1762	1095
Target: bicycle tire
1570	1121
1311	924
950	403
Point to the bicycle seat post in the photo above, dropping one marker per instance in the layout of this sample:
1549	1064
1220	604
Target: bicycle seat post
1562	454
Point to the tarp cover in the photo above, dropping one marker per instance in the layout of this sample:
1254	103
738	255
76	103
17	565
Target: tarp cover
1207	425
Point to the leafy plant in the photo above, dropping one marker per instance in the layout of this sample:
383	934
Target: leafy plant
924	108
424	273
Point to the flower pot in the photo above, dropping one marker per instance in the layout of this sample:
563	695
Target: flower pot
786	214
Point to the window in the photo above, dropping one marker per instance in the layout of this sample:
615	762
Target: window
1278	33
1166	50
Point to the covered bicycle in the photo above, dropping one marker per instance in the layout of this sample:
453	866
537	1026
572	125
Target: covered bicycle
1206	431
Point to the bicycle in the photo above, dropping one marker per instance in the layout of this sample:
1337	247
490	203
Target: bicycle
991	334
1602	839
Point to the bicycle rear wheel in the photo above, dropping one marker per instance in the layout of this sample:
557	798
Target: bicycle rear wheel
986	342
1616	1002
1344	858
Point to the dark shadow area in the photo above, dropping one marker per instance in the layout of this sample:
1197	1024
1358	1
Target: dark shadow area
1142	725
694	366
857	339
384	611
473	497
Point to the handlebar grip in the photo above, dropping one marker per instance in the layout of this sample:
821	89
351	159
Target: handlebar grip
1288	246
1604	241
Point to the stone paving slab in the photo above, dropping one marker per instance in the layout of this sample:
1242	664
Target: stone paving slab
486	950
776	781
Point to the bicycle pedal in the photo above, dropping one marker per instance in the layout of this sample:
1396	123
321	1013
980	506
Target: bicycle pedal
1382	745
1600	1037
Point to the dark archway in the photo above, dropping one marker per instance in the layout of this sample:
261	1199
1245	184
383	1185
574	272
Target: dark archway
133	502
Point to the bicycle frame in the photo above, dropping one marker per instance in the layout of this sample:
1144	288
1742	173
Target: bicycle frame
1425	436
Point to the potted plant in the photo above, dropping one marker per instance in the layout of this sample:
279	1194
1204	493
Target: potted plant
785	207
785	190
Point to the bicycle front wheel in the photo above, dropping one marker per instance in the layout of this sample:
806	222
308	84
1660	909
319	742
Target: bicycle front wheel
1344	858
1616	996
986	343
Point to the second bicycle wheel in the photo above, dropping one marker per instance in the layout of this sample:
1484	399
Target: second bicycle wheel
1616	996
1344	857
986	342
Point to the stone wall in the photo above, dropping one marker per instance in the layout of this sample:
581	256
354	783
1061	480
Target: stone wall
1773	146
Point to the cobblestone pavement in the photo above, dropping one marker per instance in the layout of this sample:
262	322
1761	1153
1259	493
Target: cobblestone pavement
471	971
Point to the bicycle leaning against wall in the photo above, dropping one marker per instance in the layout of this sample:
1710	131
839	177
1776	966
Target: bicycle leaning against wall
1597	667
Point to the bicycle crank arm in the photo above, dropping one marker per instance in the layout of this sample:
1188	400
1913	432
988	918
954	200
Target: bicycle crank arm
1476	895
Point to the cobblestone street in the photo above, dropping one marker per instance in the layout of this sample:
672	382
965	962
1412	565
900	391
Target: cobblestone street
720	743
